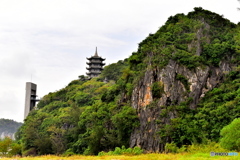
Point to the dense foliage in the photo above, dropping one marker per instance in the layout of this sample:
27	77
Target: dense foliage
231	135
76	119
113	71
9	148
183	38
89	116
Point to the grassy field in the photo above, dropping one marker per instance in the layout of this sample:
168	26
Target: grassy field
180	156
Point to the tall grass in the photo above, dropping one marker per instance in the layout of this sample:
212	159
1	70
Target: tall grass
155	156
206	148
195	148
123	151
192	152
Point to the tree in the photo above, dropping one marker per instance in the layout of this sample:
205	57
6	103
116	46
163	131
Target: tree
113	71
57	139
9	148
231	135
15	149
5	146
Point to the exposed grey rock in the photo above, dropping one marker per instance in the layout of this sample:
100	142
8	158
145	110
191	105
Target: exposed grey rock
200	81
6	134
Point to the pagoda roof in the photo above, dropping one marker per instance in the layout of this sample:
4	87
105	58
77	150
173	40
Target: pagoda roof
100	63
94	72
96	56
102	59
90	68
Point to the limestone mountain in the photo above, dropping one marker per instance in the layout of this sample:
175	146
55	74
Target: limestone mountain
179	64
8	128
181	86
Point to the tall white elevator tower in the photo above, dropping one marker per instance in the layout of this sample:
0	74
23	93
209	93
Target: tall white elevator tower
30	98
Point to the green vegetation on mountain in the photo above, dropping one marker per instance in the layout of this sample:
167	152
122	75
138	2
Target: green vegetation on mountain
90	116
113	71
76	118
176	39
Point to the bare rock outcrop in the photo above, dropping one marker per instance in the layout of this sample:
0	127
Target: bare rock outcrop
199	81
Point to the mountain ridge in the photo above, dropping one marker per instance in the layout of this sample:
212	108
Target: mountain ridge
8	128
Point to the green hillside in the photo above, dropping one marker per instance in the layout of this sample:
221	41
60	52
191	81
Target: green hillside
151	98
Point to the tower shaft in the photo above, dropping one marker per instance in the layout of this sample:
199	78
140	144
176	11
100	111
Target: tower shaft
30	97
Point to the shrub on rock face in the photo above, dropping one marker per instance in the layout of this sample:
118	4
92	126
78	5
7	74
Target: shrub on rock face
157	89
231	135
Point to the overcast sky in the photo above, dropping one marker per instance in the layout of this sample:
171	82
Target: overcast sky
47	41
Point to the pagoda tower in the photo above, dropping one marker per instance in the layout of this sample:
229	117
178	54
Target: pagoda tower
95	65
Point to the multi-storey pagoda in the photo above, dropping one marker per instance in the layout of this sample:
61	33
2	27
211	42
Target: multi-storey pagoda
95	65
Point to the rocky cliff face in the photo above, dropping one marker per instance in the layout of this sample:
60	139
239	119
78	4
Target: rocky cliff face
199	80
6	134
179	84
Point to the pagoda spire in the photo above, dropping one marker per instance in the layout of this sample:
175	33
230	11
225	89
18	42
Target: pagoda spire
96	54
